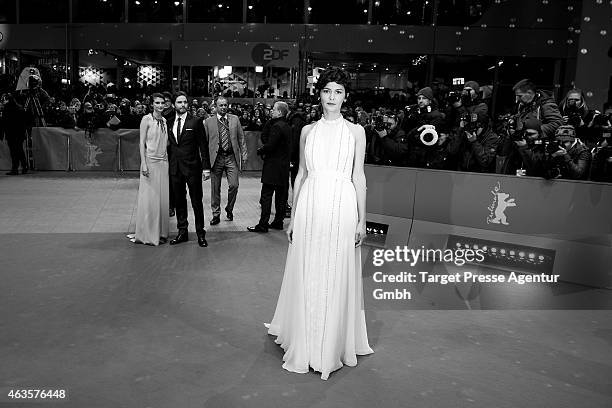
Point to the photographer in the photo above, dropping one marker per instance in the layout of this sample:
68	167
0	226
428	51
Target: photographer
395	144
474	144
537	105
575	112
601	169
568	155
521	150
35	99
521	147
421	124
471	100
454	110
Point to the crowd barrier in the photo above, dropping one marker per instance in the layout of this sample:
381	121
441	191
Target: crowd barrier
103	150
569	222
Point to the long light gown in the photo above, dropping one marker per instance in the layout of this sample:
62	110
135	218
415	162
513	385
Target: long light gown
152	220
319	317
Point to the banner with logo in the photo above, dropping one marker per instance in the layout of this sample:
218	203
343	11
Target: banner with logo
94	151
239	54
519	205
50	148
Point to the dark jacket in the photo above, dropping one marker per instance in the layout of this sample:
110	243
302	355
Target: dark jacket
477	156
13	122
395	146
575	164
533	160
297	121
189	155
601	168
543	110
275	151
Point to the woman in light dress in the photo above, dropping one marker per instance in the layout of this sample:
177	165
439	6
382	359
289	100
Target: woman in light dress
319	319
152	221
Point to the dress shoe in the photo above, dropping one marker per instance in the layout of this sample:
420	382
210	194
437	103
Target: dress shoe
172	213
24	171
215	220
230	216
202	240
257	228
12	173
181	237
276	225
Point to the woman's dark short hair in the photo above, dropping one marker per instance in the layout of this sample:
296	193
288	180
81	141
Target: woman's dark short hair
333	74
157	95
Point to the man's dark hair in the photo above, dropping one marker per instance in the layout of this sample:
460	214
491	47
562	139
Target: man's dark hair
167	95
524	85
334	74
177	94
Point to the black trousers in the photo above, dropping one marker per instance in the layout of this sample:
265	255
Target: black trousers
280	193
294	171
171	194
17	154
194	182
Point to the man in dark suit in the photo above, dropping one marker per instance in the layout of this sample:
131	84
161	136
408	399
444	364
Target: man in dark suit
227	151
189	163
276	139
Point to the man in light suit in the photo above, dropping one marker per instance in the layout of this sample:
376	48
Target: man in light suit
227	150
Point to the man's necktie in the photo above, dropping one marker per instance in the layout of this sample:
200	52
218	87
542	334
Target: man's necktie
224	130
178	128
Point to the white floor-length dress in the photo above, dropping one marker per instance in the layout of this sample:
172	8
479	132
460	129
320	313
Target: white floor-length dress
319	317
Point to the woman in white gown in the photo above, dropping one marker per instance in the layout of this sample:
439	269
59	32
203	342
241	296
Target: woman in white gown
152	221
319	319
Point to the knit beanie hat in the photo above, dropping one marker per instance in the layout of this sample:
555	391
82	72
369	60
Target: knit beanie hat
565	133
472	84
427	93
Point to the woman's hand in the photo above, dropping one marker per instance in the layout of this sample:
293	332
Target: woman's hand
290	232
144	169
360	233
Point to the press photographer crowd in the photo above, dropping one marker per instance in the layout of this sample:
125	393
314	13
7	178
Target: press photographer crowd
438	127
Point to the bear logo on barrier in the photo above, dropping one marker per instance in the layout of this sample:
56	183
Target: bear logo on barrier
497	209
92	152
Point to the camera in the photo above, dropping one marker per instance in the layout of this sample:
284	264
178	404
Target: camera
378	123
412	112
515	130
573	116
552	146
453	97
428	135
470	121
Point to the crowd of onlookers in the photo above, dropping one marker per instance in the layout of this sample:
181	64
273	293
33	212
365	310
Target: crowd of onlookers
437	127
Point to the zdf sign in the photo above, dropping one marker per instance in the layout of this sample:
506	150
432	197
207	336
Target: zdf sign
264	54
